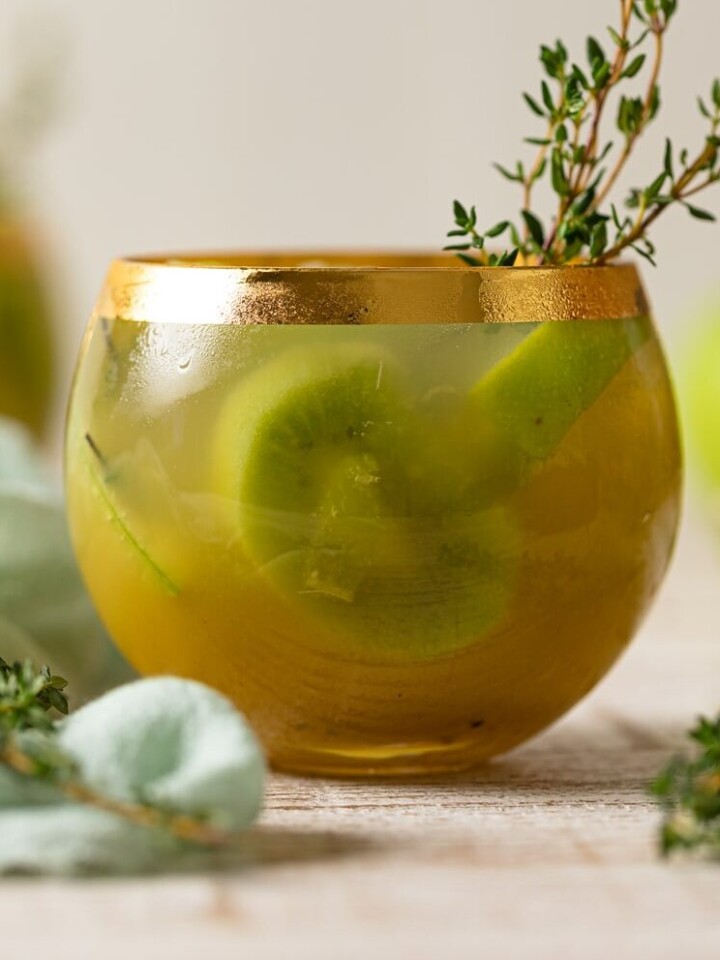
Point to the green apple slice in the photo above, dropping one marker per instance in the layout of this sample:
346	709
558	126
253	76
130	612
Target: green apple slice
536	393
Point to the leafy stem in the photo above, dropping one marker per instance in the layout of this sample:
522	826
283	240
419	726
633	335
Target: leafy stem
63	778
537	170
647	113
101	486
688	790
571	154
651	204
28	697
600	95
30	701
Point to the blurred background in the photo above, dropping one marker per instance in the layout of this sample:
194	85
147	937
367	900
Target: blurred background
171	124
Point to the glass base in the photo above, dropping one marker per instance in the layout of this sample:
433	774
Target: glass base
398	760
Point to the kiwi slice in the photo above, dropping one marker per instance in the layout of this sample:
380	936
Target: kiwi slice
313	449
306	427
350	532
442	584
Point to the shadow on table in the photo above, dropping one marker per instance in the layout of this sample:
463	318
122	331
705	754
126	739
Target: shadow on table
261	847
270	845
266	846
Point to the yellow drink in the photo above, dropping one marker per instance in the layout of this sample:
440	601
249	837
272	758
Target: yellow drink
397	548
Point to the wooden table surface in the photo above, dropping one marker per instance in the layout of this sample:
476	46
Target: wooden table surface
548	853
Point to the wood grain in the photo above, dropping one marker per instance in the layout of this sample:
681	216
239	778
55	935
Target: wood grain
548	853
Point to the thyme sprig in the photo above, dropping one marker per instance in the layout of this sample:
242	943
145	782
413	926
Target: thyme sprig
689	791
28	697
582	169
102	486
31	701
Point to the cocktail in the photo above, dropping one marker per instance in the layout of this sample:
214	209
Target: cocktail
403	512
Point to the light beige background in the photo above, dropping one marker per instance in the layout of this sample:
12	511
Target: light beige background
216	123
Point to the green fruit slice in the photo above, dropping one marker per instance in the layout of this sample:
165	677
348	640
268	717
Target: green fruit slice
384	517
311	448
535	395
443	584
700	399
286	432
350	531
469	451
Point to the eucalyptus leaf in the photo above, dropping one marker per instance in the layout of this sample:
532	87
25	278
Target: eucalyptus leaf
70	840
20	461
174	744
19	792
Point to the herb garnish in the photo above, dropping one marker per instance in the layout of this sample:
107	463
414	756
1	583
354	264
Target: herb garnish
101	485
30	702
689	792
582	169
27	697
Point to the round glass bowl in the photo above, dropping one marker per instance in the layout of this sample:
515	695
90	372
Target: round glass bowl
404	513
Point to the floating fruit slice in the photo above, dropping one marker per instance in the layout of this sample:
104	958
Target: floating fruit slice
456	461
312	449
442	585
385	517
425	589
286	432
536	393
350	531
466	452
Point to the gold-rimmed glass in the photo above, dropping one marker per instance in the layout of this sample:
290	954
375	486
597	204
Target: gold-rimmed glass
404	513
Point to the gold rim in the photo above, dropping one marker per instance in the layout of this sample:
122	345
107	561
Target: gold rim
361	288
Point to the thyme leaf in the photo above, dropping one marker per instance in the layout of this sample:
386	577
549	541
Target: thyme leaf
574	103
688	790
